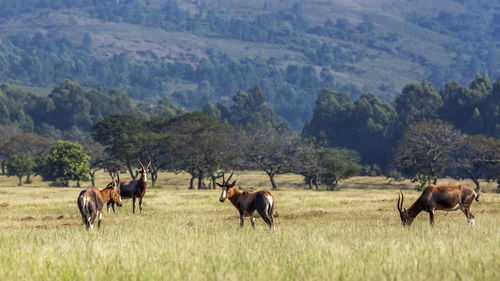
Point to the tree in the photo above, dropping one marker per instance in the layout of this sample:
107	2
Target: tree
306	162
250	109
20	165
198	145
477	158
118	133
268	149
418	101
337	165
65	162
423	153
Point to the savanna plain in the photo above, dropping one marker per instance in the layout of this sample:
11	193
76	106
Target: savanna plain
351	234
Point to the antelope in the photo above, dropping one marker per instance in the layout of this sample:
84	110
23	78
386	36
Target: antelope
134	188
91	200
439	197
248	201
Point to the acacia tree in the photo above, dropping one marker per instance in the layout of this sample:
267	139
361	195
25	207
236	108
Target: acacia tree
118	133
307	162
423	153
478	157
197	145
268	149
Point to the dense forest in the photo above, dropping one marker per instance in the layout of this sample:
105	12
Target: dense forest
280	46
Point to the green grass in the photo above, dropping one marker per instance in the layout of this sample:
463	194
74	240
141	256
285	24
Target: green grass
351	234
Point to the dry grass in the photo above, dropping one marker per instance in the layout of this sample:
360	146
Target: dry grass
351	234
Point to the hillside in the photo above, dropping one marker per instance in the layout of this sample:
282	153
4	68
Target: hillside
201	51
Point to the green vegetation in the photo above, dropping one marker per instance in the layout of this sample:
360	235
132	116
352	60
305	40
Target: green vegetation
353	234
20	165
194	52
65	162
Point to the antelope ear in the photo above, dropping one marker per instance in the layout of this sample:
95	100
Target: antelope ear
234	182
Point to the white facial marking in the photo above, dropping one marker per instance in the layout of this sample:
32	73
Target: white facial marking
145	177
223	195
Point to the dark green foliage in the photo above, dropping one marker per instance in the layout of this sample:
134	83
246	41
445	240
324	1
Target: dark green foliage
360	126
337	165
66	162
120	134
250	110
20	165
417	102
198	145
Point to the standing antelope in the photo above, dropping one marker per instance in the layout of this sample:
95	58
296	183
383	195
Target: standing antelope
91	200
249	201
134	188
439	197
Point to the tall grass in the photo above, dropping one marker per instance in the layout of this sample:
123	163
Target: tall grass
351	234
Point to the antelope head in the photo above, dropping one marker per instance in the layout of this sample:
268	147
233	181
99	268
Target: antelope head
406	220
227	188
144	171
115	193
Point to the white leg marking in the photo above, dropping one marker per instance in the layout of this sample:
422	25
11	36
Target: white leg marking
100	216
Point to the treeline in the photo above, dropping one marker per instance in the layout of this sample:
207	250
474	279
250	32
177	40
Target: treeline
407	138
373	127
70	111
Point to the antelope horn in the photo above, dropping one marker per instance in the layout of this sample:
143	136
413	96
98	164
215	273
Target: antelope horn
140	163
228	179
148	164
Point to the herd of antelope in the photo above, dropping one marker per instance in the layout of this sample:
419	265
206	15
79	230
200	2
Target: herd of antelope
252	203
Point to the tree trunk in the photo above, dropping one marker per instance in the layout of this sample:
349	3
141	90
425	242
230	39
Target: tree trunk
20	183
271	177
476	182
129	167
435	181
309	182
78	183
92	177
213	178
154	177
28	179
191	182
200	180
3	167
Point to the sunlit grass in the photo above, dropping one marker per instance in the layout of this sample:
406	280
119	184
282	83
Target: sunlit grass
351	234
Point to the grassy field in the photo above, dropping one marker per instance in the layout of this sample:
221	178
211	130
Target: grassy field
351	234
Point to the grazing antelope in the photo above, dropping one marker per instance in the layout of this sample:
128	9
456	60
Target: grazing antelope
91	200
249	201
439	197
134	188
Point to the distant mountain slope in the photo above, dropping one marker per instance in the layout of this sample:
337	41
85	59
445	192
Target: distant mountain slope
199	51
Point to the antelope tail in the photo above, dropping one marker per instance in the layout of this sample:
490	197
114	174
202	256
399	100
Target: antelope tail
270	209
84	206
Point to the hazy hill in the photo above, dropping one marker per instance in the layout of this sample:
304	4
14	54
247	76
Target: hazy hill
199	51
